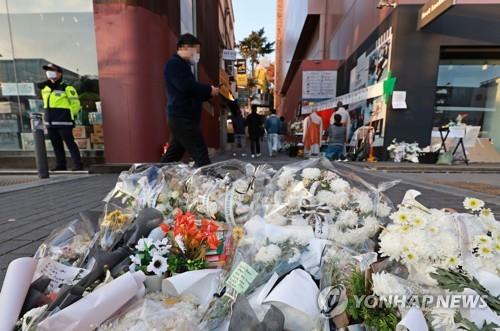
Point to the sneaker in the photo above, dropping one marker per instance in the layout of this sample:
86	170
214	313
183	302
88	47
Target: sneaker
253	156
258	155
234	154
243	155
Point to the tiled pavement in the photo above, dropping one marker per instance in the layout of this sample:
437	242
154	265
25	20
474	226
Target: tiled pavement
30	213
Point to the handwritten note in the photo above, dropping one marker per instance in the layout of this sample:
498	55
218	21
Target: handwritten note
242	277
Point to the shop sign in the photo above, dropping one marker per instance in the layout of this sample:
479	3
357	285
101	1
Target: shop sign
432	10
241	67
241	80
229	54
10	89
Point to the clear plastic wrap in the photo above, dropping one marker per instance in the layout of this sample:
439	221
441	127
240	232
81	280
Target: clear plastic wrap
113	224
224	191
341	207
265	250
173	188
156	312
137	187
69	245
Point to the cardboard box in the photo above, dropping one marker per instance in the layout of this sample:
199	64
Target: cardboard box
80	132
96	138
7	107
83	143
98	130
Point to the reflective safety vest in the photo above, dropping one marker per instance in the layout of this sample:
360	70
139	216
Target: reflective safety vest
61	105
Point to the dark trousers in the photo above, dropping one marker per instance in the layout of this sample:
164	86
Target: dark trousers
57	137
255	144
186	136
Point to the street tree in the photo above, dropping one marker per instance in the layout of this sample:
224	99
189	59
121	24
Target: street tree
255	45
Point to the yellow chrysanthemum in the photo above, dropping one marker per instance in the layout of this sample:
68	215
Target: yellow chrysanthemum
238	233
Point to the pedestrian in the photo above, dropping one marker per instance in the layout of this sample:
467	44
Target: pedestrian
61	105
185	96
254	124
283	132
337	136
239	128
272	126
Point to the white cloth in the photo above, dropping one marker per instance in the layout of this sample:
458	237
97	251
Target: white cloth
314	118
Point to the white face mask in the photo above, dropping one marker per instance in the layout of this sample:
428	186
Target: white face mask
195	58
51	74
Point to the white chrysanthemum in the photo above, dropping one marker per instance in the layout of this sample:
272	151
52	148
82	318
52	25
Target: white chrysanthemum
268	254
418	220
311	173
383	210
284	179
391	244
278	237
339	185
365	203
487	215
340	200
174	194
385	285
443	318
158	265
325	197
212	209
473	204
348	218
143	244
400	217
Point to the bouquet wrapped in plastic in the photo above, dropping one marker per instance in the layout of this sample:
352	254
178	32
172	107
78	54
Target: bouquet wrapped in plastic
137	187
340	207
264	250
224	191
173	189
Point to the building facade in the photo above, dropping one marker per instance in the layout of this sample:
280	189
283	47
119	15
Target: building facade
443	55
114	53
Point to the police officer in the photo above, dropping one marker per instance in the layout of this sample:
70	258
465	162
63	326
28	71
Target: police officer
61	105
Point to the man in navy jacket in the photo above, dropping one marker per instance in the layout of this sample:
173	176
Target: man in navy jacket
185	96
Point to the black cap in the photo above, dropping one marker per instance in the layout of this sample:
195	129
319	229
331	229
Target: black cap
52	67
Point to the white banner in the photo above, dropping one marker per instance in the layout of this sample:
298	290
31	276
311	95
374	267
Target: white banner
366	93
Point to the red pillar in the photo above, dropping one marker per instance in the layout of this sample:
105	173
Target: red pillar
134	40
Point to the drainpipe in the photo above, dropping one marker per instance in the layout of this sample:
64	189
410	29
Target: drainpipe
322	31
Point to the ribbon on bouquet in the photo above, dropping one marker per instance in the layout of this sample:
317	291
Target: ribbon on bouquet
316	214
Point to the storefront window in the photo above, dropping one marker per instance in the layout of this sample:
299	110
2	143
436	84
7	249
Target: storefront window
468	93
36	32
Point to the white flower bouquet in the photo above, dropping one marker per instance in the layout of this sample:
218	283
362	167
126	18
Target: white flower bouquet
342	208
403	151
265	250
136	188
224	191
173	191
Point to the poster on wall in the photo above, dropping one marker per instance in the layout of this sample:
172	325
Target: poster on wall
319	85
379	59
